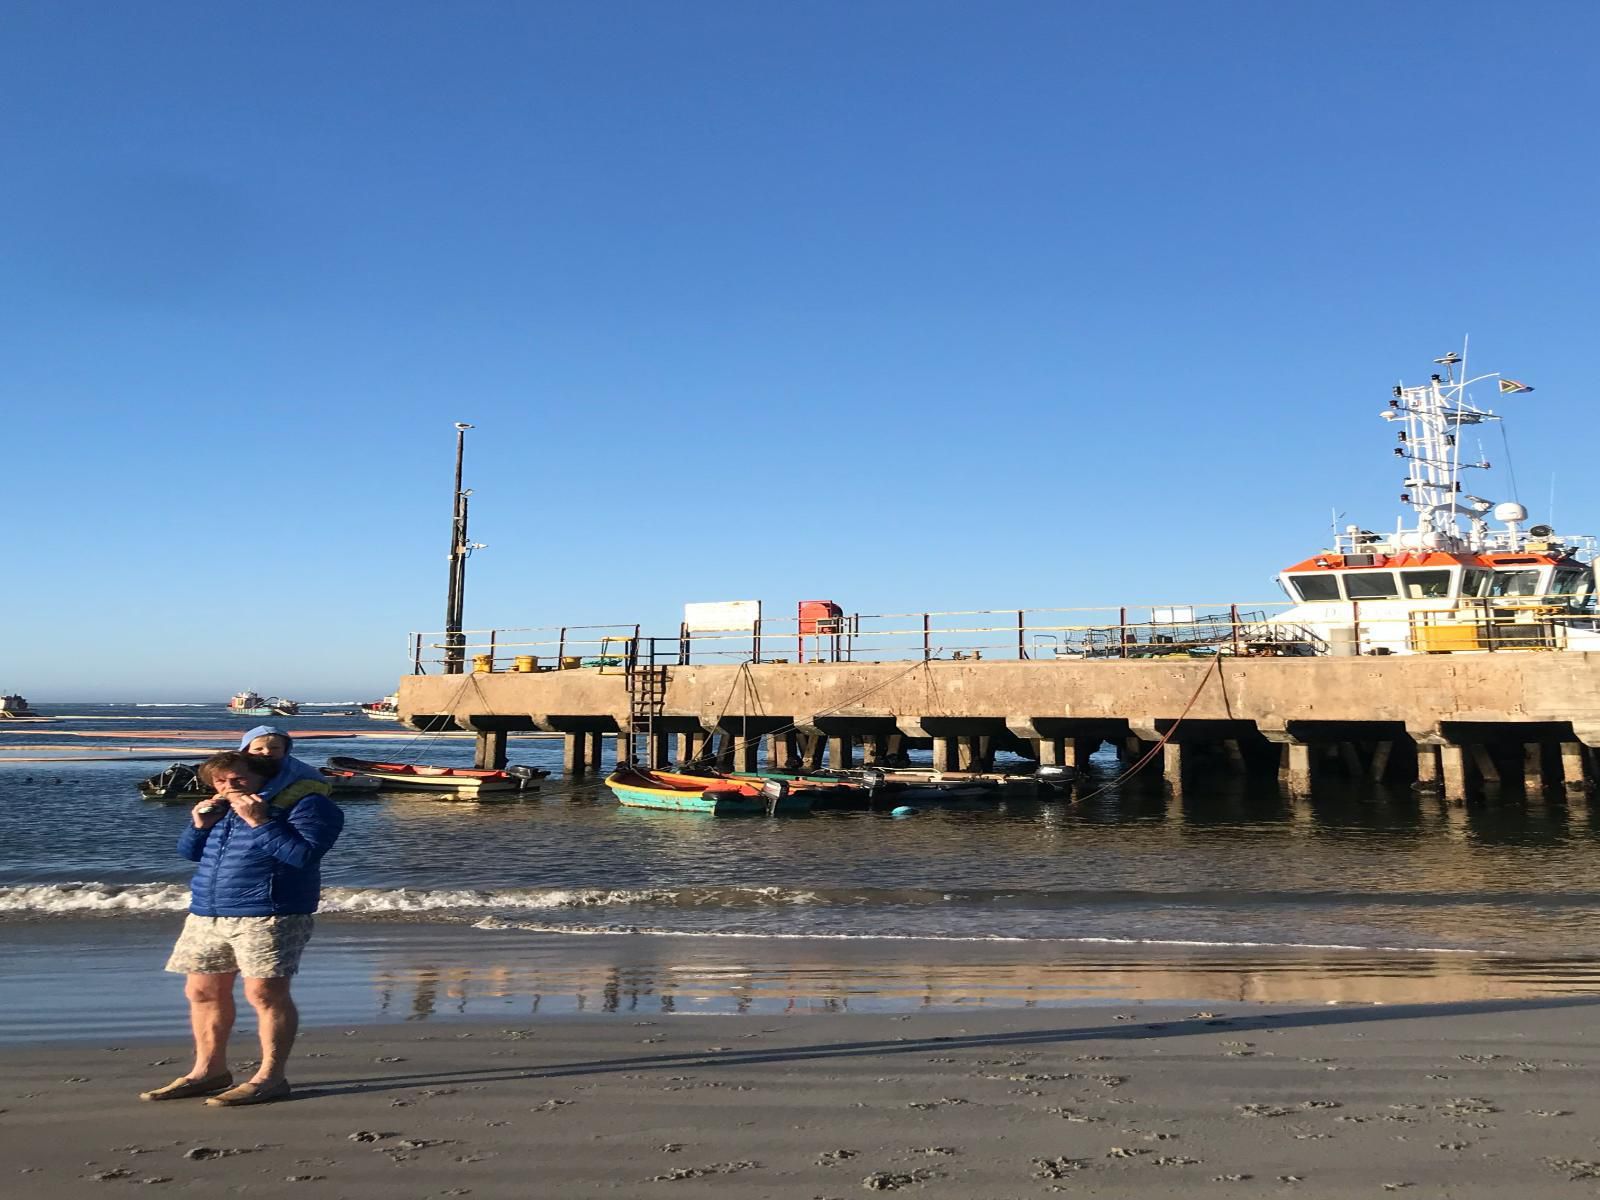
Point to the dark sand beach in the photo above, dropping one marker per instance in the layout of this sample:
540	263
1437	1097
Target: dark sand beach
1484	1099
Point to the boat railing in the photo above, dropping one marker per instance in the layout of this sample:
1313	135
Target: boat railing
1496	541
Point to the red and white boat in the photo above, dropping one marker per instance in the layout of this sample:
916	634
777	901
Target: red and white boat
462	783
1446	581
387	709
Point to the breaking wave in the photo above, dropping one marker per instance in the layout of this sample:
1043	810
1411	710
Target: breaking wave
90	897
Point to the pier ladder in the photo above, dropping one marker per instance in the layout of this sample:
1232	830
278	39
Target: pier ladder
646	681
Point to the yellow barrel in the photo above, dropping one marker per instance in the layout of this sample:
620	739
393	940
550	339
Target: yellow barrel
482	663
571	662
525	663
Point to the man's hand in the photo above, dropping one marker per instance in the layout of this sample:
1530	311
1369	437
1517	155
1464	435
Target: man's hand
250	808
208	812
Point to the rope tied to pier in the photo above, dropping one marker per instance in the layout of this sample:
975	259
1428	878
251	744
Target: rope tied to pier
1150	755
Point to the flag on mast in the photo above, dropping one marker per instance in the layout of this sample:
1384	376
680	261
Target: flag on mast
1511	385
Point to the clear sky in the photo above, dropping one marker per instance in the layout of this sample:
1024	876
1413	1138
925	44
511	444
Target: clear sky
905	304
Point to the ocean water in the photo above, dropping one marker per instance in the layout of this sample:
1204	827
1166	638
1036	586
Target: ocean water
1231	869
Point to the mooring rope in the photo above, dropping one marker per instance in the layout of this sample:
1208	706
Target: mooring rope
1149	755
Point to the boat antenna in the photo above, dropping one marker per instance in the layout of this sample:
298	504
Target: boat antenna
454	644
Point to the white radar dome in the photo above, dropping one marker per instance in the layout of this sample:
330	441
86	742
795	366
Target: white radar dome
1410	540
1510	510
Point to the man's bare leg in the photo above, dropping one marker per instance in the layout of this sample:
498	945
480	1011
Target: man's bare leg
211	1013
279	1020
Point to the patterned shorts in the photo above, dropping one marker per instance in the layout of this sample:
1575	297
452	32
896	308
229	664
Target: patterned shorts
255	947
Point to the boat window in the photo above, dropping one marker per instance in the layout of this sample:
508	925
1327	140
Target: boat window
1370	585
1514	583
1570	583
1474	581
1316	587
1424	585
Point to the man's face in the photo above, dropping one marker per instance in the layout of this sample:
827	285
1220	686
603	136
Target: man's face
235	781
268	746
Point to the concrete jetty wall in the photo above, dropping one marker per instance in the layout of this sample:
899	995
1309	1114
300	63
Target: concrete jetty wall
1446	721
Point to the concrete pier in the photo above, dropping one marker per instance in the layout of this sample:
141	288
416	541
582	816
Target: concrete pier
1458	722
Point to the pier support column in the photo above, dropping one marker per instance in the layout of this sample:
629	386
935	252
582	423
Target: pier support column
1380	760
659	748
944	754
874	749
624	746
1453	759
1573	779
782	751
1053	752
594	740
574	762
746	752
724	755
841	751
1428	739
1532	768
1233	755
1294	759
812	746
489	754
1172	765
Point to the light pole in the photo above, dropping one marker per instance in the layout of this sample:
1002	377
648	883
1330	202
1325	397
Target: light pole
454	643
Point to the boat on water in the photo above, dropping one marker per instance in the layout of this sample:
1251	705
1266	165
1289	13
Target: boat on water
1444	580
14	705
250	704
181	782
876	787
636	787
387	709
461	783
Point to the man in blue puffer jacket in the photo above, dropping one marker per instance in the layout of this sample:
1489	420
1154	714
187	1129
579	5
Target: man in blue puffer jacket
259	842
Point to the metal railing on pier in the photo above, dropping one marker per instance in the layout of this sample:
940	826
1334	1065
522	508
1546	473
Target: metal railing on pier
1030	635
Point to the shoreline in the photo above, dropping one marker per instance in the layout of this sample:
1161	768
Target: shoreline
55	972
1470	1100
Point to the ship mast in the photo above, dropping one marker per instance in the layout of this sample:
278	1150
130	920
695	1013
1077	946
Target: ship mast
1433	415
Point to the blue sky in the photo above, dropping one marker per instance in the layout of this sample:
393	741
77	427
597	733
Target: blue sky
910	305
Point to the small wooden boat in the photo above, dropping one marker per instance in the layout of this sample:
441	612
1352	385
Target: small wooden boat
464	783
181	782
638	788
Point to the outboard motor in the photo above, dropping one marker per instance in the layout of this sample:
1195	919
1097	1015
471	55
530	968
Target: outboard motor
1060	778
525	776
874	778
774	790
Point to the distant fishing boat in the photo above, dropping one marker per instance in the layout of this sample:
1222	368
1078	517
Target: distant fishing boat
249	704
463	783
635	787
181	782
387	709
15	706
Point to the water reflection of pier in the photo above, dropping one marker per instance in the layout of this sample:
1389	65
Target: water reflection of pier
509	988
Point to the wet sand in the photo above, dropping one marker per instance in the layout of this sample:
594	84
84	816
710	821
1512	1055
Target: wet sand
1484	1099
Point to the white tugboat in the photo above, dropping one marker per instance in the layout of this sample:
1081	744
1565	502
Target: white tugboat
1448	582
13	705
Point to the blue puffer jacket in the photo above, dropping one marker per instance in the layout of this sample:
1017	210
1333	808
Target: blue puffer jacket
271	870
